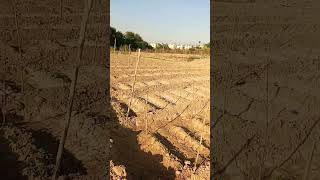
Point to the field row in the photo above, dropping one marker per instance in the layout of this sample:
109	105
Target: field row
170	104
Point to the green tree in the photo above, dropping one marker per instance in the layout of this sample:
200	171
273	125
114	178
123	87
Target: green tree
135	40
207	45
112	35
130	39
120	39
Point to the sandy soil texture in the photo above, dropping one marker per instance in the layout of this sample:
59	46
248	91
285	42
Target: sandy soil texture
168	115
265	90
35	84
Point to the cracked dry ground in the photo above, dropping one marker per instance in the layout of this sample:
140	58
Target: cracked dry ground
162	144
266	84
35	114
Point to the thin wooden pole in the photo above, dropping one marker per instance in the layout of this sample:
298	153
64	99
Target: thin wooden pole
17	29
193	97
72	89
225	100
99	30
14	5
267	100
308	167
146	120
4	102
61	8
133	83
198	151
115	45
129	55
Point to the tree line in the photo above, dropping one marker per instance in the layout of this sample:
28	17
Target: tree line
128	38
123	40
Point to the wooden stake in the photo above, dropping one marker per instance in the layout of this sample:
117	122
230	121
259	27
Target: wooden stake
224	101
267	101
20	53
114	46
129	48
72	89
61	8
129	56
308	167
17	28
4	102
299	145
99	30
134	81
193	97
146	120
243	147
198	151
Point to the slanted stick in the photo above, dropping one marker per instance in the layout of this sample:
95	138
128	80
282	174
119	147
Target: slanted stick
133	83
72	89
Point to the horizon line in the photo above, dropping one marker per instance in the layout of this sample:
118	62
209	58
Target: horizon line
153	41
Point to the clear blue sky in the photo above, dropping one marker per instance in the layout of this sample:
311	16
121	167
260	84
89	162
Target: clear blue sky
165	21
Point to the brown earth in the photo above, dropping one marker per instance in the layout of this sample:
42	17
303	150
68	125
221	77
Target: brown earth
265	70
168	115
35	103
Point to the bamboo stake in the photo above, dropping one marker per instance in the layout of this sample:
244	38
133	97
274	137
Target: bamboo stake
129	56
134	81
17	28
146	120
193	98
61	6
308	167
281	163
72	89
243	147
14	5
267	101
99	30
4	102
224	102
198	151
114	46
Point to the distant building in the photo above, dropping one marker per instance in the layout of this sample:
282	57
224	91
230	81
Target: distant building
180	46
188	46
203	45
172	46
154	45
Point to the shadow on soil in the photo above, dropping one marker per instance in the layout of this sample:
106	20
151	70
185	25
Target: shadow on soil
170	146
42	140
139	164
10	167
50	144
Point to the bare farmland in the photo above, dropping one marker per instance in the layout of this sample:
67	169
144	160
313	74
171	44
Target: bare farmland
169	114
266	94
38	49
